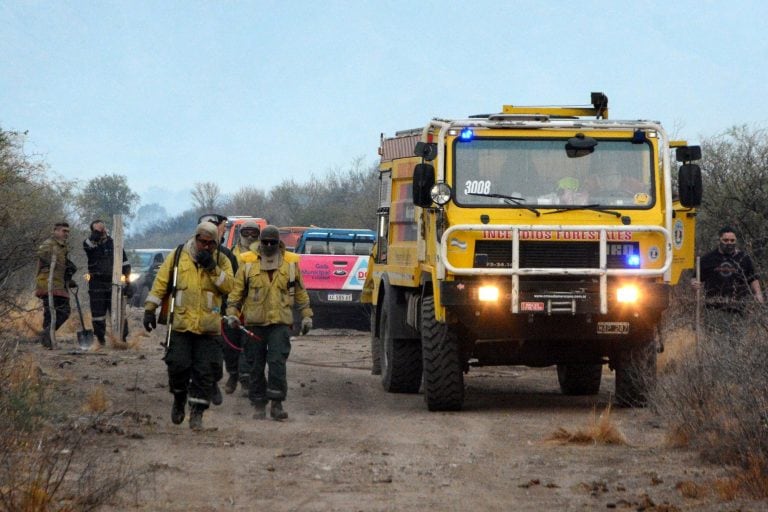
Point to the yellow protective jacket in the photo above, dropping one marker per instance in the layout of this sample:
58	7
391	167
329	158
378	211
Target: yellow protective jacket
265	302
198	302
62	271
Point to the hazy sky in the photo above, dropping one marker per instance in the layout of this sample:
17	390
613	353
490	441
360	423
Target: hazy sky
170	93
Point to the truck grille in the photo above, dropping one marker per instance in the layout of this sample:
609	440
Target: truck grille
498	254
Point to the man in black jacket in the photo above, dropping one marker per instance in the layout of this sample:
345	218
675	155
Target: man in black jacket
100	250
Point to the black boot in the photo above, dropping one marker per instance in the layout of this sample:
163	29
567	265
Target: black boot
45	340
216	398
260	411
196	418
177	411
231	384
276	411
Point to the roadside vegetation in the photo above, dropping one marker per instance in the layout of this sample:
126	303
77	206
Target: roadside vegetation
713	393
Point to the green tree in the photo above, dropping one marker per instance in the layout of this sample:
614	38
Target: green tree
105	196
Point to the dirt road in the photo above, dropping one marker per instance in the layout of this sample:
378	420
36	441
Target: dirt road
348	445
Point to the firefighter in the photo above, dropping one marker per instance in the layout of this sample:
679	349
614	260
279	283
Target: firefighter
248	355
194	356
54	252
220	221
100	250
265	291
233	342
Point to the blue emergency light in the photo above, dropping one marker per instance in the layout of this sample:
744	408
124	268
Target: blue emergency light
466	134
633	260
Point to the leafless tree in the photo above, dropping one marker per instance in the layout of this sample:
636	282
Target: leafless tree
206	196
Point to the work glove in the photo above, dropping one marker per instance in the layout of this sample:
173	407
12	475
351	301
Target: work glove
205	260
95	236
149	322
232	321
306	324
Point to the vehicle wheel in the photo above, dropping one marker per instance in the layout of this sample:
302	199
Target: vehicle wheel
375	346
443	373
635	374
400	359
579	379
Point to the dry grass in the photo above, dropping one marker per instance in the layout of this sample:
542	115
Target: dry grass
599	430
96	401
714	396
691	490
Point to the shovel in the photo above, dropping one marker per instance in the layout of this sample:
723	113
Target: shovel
84	337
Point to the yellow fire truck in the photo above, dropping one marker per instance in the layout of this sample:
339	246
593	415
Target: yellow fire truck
538	236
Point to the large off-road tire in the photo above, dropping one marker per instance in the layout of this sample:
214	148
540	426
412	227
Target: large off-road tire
375	346
443	372
579	379
400	359
635	374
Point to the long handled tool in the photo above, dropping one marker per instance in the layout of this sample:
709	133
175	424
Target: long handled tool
84	337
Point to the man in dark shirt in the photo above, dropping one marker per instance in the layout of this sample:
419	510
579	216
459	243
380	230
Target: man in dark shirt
100	250
728	276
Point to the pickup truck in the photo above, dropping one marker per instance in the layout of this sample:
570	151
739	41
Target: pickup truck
333	264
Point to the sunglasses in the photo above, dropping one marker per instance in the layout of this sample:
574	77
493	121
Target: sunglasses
270	242
249	232
206	243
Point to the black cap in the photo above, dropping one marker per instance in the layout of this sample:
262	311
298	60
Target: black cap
270	233
213	218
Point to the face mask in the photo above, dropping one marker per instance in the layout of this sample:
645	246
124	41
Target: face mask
727	248
247	240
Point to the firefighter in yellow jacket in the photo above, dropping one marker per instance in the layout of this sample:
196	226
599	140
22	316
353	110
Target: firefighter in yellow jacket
265	293
194	354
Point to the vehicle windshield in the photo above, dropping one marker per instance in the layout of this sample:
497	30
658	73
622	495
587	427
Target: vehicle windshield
140	260
539	173
359	246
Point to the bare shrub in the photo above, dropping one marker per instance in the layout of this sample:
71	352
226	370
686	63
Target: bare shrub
599	430
47	460
715	395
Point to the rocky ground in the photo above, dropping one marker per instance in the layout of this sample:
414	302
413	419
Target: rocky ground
348	445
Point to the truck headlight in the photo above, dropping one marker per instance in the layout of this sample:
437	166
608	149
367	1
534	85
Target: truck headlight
134	276
628	293
488	294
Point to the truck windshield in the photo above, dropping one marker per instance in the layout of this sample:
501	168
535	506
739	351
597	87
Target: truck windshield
540	173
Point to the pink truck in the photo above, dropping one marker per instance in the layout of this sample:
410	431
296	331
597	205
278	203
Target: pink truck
333	264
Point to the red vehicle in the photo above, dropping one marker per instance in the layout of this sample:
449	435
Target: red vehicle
234	224
291	235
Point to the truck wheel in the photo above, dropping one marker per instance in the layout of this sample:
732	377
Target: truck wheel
635	374
579	379
443	374
400	359
375	346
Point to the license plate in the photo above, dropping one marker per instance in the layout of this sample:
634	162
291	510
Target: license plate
612	327
531	306
340	297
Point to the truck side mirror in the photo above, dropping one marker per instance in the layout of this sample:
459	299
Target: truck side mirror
689	185
423	181
688	153
426	150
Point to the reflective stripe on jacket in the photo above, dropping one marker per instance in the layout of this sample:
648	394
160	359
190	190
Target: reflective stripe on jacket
198	300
